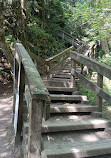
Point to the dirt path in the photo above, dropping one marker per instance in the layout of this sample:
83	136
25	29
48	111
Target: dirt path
6	128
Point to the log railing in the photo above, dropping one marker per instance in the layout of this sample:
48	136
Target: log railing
46	67
40	63
100	68
27	82
57	60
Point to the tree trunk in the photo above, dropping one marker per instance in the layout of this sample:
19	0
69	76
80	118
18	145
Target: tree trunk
42	13
3	46
19	11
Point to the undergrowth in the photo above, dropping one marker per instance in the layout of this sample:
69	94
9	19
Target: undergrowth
92	97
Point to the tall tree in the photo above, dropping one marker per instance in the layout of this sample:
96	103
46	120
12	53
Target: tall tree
3	46
19	12
42	13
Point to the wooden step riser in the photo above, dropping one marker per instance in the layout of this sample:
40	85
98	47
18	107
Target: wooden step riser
68	98
57	84
74	127
61	89
60	92
72	110
60	79
79	153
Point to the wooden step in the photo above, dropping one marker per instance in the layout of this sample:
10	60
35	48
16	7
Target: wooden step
62	73
61	89
69	98
62	76
60	79
55	83
65	71
99	148
74	139
67	68
57	108
72	123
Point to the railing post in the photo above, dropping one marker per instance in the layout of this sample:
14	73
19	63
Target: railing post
99	99
20	106
35	63
35	128
72	41
62	62
48	69
73	66
46	110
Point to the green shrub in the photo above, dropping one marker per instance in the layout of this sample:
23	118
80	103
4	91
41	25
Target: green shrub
91	96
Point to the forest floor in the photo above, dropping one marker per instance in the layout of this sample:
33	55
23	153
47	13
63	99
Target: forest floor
6	112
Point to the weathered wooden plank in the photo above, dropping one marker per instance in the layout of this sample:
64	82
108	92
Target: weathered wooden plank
100	84
38	58
93	86
35	126
52	68
36	85
101	68
51	59
73	65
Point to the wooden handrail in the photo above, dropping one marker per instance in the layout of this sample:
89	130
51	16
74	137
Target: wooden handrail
57	60
51	59
34	80
46	64
100	68
28	83
37	58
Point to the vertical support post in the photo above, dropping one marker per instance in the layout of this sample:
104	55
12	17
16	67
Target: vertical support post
73	66
35	128
95	51
35	63
82	66
72	41
46	110
62	61
20	107
99	99
48	69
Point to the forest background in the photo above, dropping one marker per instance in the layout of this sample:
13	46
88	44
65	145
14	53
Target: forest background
36	24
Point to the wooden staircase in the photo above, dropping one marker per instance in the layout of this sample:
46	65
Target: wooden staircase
72	131
60	122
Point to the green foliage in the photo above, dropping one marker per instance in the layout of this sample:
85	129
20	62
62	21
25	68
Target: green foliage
54	16
105	115
91	96
73	22
106	59
43	41
89	18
